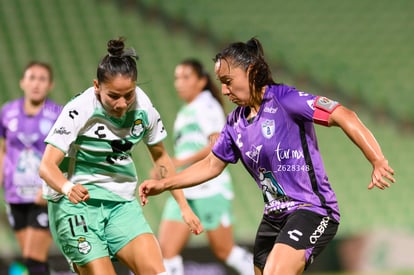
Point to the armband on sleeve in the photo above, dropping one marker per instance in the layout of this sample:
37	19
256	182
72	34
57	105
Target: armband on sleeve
323	108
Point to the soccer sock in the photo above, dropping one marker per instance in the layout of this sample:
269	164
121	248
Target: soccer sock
36	267
241	260
174	265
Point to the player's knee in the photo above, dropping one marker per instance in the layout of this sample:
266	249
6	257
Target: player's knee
281	267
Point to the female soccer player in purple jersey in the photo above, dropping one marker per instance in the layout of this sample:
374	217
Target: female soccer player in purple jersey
272	133
24	123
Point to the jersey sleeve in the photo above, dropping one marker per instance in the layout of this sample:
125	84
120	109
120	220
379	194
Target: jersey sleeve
66	128
298	104
156	130
211	120
224	146
308	107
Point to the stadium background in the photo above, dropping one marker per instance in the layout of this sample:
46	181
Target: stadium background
357	52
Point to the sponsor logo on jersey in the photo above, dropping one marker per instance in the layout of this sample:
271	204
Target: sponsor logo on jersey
61	131
295	234
159	121
270	110
100	131
73	113
254	153
288	153
319	230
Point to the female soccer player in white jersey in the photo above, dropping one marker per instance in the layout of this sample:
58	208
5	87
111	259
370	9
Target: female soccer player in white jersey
272	133
197	125
91	178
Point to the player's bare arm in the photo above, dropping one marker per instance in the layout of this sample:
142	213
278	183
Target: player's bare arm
49	171
201	171
165	168
349	122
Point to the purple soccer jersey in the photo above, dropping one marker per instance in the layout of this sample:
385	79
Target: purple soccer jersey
279	149
24	139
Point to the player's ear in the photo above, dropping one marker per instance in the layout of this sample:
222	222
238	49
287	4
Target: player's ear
96	86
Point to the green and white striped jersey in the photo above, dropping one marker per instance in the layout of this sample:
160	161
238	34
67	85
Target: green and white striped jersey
194	123
98	147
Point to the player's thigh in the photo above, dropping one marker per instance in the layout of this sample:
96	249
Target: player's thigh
100	266
142	255
221	241
126	221
37	244
284	259
267	232
173	236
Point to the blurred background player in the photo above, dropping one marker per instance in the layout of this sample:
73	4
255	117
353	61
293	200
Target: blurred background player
24	124
197	125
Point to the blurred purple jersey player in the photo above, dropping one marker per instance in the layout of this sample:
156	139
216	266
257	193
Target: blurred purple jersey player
24	139
24	124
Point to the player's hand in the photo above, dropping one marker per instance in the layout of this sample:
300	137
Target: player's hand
78	194
192	220
382	175
149	188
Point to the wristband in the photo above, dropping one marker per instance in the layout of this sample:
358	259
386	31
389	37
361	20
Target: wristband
67	187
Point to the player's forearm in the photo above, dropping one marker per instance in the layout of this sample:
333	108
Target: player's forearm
179	197
193	158
52	175
165	168
195	174
362	137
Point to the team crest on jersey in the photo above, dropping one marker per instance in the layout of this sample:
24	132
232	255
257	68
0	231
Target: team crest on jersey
84	246
137	128
268	128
